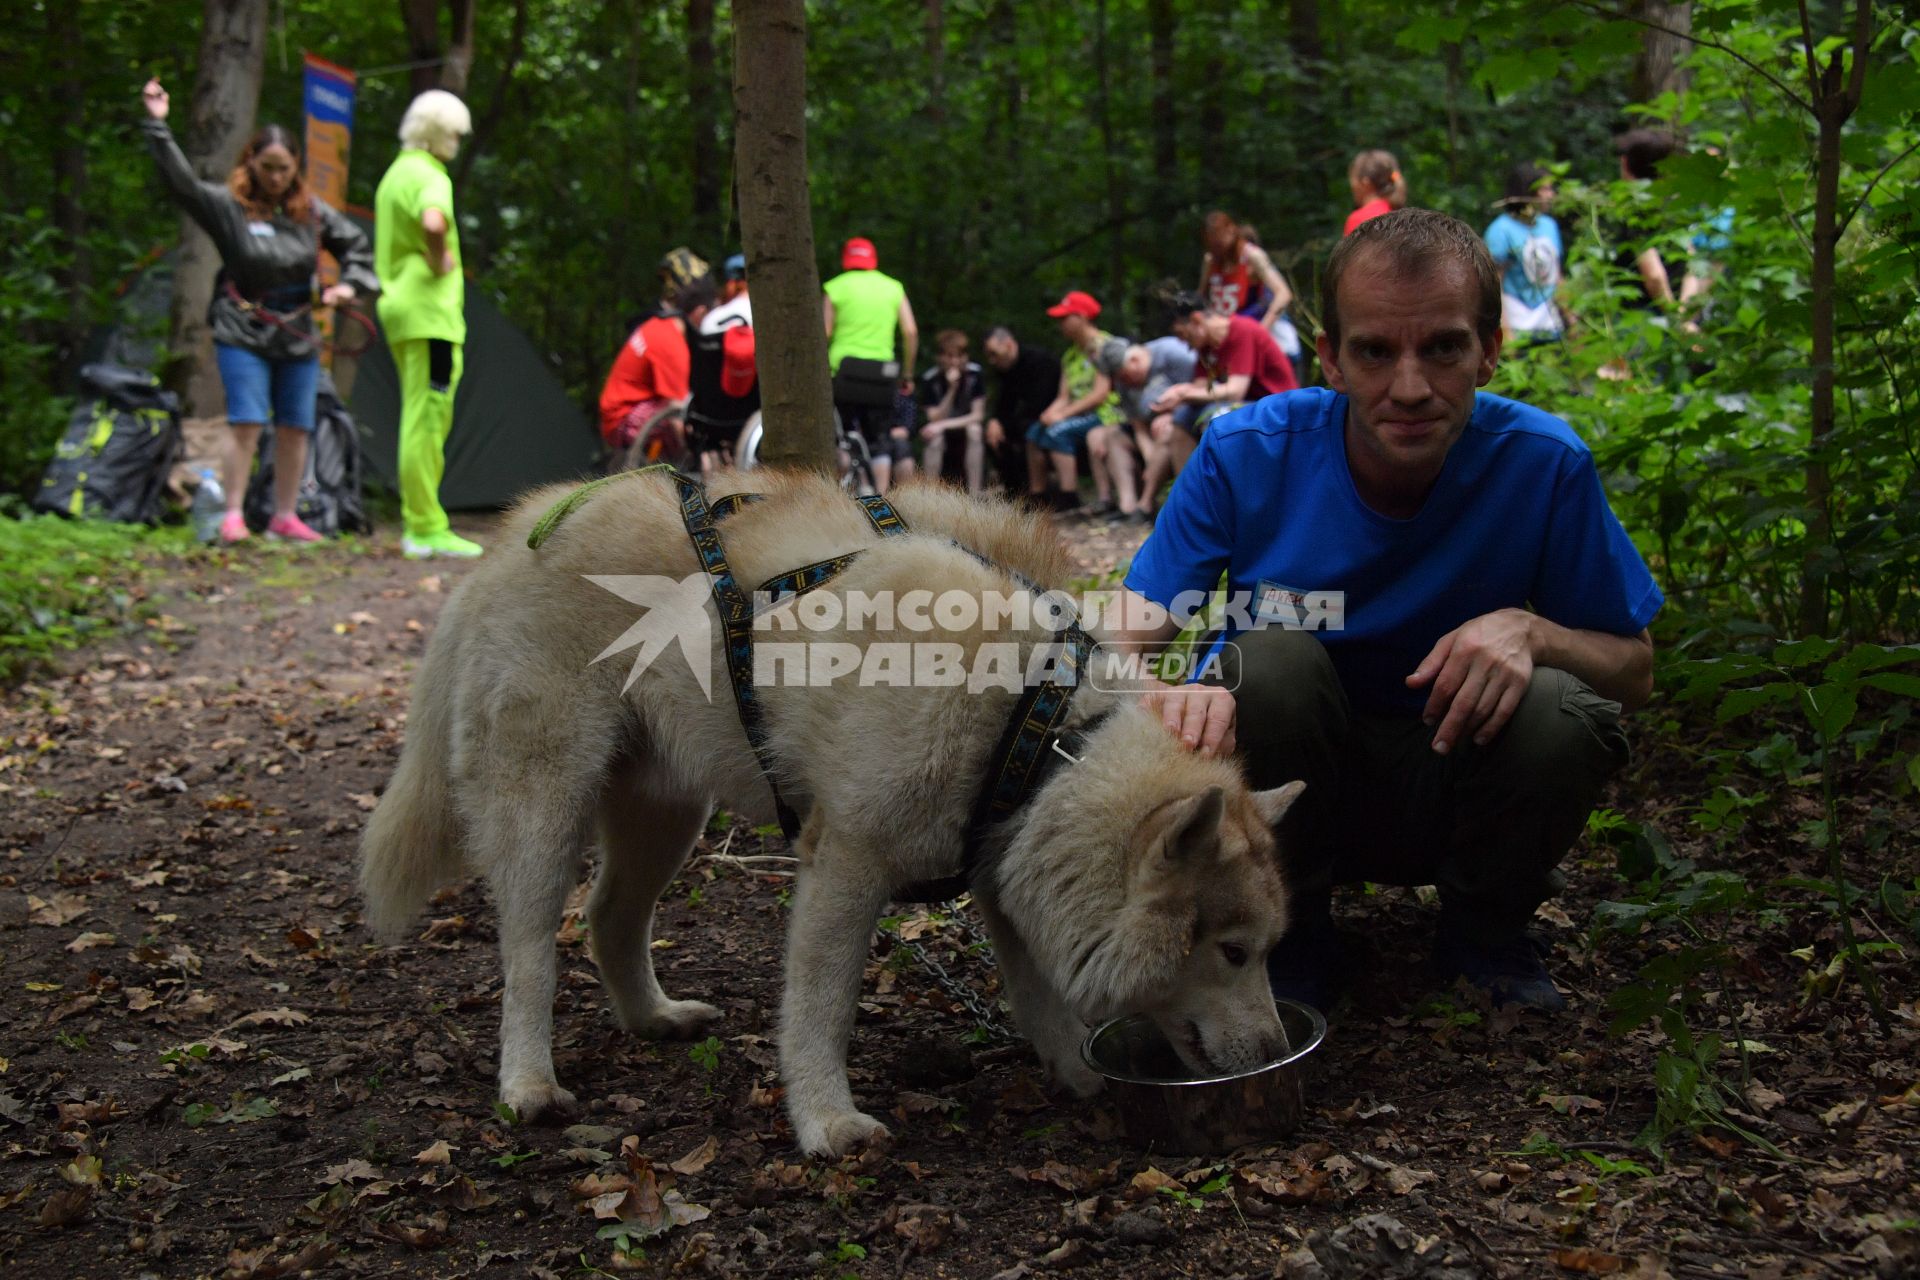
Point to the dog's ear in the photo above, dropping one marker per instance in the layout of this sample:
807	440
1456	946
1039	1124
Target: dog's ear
1273	804
1195	827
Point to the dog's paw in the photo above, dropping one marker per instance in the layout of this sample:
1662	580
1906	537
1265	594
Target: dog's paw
678	1020
534	1099
835	1135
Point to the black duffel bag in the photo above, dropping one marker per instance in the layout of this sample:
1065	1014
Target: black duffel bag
868	384
121	442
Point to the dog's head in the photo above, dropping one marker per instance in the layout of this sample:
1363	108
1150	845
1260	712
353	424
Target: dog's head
1204	905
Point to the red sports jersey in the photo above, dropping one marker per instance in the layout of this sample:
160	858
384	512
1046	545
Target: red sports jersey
654	364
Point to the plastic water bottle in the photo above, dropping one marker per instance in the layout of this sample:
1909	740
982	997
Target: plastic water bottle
209	507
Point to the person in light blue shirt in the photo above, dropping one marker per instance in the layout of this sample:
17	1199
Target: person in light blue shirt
1440	620
1525	243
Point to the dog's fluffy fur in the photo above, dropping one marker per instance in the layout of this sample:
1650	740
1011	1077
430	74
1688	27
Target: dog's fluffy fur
1143	878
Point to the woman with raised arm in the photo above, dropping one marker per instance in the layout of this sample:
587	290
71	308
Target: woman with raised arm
269	230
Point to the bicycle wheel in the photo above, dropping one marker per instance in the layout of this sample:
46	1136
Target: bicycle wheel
662	438
746	449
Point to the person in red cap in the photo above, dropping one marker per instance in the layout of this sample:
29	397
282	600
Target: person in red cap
1086	400
873	391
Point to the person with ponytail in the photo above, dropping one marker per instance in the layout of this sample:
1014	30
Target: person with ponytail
1374	178
269	230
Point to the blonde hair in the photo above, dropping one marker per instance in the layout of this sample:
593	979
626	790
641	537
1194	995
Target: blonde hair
1379	170
435	122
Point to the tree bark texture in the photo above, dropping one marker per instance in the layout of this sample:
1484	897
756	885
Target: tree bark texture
776	227
1835	91
1116	196
485	125
443	66
1663	40
226	95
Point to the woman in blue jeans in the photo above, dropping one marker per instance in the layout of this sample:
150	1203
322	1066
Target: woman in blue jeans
269	230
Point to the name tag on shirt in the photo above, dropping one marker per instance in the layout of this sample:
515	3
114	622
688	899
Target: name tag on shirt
261	229
1295	610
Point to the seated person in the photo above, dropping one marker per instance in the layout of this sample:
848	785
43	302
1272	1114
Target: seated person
1027	376
1148	373
1084	401
1449	618
1238	362
953	394
652	370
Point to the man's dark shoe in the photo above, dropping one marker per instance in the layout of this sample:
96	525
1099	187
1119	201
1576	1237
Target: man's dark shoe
1309	964
1065	503
1512	968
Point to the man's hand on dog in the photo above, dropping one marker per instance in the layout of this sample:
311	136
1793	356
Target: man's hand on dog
1478	673
1199	715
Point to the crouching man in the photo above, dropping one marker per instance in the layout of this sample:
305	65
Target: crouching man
1448	618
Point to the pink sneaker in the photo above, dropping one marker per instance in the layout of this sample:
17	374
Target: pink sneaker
291	527
234	528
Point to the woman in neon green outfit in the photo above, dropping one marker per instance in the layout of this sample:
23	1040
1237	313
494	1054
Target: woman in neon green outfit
416	249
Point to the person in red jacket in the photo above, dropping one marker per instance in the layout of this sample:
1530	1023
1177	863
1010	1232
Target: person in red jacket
653	369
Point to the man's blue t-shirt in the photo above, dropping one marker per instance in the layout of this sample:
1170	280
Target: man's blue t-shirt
1531	252
1517	519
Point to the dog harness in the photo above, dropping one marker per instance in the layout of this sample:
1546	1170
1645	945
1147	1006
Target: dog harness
1030	747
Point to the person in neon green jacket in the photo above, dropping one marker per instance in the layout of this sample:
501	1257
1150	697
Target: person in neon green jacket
416	251
864	307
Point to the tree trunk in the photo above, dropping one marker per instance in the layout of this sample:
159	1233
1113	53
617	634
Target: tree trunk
446	68
776	227
1663	39
64	44
1166	135
484	127
1213	107
226	94
1303	31
933	30
1116	196
700	106
421	18
458	67
1835	93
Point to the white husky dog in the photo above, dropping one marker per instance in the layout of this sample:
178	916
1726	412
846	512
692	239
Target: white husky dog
1143	877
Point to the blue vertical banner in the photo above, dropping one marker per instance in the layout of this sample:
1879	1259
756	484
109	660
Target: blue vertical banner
329	109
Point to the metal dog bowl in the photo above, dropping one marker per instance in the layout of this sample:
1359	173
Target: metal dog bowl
1164	1108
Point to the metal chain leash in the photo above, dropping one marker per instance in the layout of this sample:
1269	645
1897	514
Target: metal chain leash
985	1013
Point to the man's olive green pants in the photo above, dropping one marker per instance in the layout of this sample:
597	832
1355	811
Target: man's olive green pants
1487	826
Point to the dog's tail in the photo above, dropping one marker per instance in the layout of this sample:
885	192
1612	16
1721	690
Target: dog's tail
409	848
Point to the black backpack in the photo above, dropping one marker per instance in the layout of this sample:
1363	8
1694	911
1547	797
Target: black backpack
121	442
330	501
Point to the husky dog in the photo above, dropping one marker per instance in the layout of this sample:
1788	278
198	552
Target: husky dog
1140	877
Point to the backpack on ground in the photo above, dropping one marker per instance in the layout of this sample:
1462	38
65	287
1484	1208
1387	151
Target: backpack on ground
331	501
121	442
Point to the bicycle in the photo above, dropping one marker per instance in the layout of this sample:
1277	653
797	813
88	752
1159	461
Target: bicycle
661	438
855	459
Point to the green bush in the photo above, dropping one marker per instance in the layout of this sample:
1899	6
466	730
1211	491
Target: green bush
73	581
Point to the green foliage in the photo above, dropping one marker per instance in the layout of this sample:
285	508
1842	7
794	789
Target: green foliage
72	581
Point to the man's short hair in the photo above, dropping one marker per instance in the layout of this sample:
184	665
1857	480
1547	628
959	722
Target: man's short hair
1176	303
695	293
1000	333
1644	149
1417	243
950	342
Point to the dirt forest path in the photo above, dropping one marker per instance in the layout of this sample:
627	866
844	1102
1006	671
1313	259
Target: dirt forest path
208	1069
